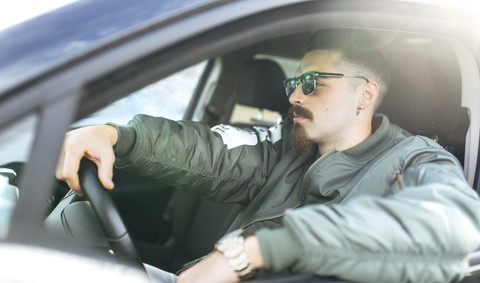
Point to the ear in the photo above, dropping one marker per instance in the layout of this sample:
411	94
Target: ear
369	95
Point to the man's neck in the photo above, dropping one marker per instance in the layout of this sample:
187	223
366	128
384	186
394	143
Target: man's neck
358	134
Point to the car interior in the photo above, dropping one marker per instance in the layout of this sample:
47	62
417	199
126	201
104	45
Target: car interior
170	228
241	57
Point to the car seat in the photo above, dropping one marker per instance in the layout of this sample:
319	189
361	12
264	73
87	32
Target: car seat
260	85
424	101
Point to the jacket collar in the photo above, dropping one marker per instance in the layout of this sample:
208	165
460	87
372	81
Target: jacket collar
374	144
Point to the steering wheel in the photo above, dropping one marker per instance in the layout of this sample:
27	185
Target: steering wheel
108	216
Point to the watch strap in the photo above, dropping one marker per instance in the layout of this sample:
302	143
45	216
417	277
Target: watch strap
232	248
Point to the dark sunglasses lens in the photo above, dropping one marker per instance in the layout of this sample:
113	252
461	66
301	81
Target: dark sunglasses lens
290	86
308	83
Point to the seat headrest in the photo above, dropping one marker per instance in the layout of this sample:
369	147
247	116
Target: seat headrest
421	101
260	84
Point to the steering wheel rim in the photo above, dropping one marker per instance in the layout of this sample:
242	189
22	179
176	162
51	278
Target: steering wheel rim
108	216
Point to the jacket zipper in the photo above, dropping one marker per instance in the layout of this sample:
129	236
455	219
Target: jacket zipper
301	189
310	169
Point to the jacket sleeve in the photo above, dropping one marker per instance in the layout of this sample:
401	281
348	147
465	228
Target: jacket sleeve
423	233
224	163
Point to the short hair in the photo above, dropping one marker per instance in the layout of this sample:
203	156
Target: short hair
362	54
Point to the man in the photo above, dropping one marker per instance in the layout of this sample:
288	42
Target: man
335	190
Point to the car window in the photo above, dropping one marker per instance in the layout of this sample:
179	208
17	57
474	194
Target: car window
15	147
167	98
17	139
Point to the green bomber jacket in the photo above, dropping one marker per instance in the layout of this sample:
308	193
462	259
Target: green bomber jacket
394	208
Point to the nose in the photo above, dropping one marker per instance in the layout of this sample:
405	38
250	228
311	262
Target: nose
297	96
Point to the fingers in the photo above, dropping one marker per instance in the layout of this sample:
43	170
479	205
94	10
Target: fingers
94	143
70	171
105	170
67	168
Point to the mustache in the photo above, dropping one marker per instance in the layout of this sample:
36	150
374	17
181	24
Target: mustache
300	111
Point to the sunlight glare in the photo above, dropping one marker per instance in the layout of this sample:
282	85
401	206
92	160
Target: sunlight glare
14	12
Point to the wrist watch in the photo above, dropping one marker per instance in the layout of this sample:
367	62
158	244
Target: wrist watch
231	246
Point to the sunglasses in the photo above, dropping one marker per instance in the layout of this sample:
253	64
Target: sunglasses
309	81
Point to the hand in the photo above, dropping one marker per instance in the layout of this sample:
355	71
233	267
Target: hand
95	143
215	268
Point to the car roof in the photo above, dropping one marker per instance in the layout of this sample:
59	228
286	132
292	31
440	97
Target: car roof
34	46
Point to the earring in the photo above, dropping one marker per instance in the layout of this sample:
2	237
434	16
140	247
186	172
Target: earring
359	109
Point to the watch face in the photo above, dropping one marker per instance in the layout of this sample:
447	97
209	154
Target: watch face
231	241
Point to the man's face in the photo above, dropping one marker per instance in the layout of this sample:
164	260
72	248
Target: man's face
327	116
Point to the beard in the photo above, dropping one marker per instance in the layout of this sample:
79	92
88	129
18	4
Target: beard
299	139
